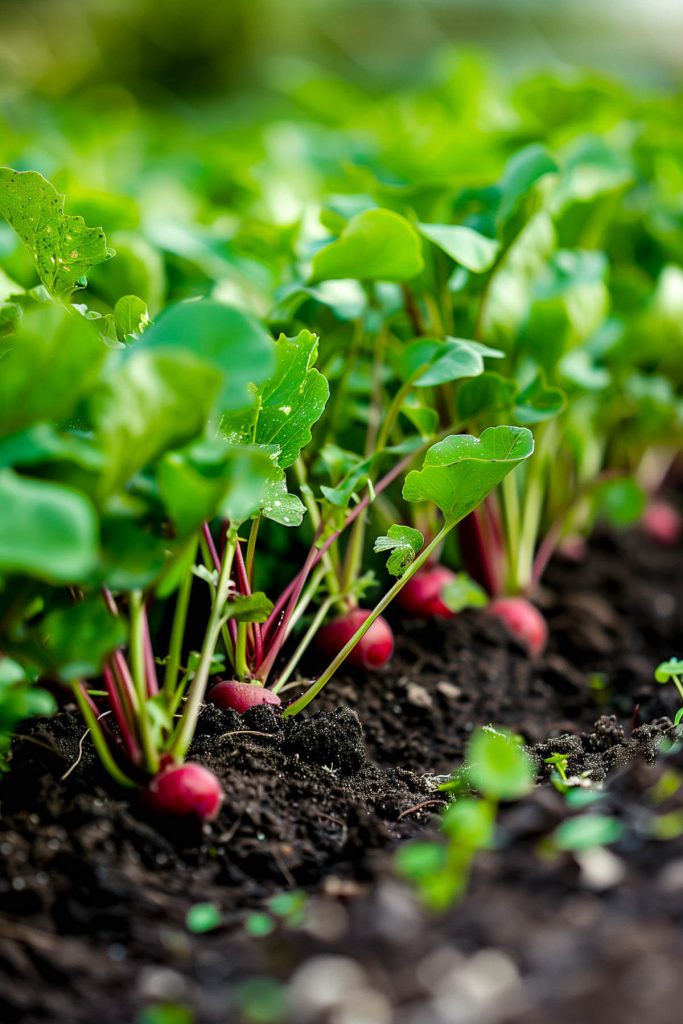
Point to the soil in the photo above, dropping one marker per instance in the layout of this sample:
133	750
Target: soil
94	892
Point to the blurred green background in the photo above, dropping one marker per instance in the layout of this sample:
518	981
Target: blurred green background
184	48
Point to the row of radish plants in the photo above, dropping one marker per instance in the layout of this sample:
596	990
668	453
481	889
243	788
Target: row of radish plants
307	386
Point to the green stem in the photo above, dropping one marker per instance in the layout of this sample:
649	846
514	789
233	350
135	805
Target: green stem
241	668
306	598
188	720
98	738
393	411
137	664
533	506
251	549
304	644
176	642
341	657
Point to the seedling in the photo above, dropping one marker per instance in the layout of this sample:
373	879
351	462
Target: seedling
497	767
671	671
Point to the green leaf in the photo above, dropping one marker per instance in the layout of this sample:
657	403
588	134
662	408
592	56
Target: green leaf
254	608
466	246
497	766
130	317
149	403
521	173
375	245
48	531
62	247
19	698
52	362
166	1013
587	832
444	361
483	395
226	338
287	404
666	671
280	506
461	470
419	860
462	592
538	402
72	643
42	443
470	822
404	543
131	556
620	502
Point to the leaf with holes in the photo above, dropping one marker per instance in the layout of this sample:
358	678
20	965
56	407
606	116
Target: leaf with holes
62	246
404	543
287	404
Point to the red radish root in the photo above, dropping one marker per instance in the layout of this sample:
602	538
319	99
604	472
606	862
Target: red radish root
421	596
524	620
663	523
373	650
185	790
232	695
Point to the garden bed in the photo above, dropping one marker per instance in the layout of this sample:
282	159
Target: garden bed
95	893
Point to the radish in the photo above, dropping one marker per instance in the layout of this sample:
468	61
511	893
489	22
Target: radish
421	596
663	523
184	790
373	650
524	620
232	695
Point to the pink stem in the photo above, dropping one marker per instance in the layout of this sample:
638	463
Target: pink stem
109	600
125	679
274	619
545	552
478	551
129	739
211	546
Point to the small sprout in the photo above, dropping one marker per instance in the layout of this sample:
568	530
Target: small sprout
586	832
672	671
203	917
262	1001
166	1013
259	925
498	766
560	763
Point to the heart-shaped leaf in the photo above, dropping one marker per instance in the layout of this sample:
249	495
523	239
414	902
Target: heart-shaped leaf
375	245
461	470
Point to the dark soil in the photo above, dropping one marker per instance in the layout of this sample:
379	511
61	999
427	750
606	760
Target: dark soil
94	893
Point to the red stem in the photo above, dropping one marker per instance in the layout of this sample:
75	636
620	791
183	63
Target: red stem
478	546
546	549
211	546
317	553
129	740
